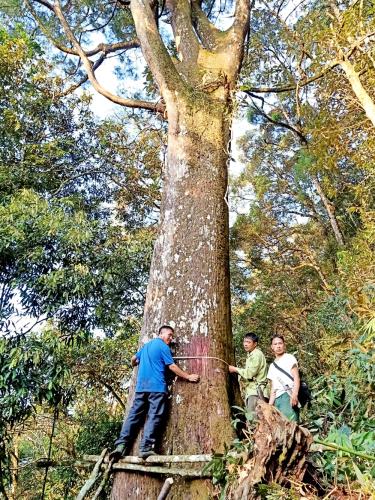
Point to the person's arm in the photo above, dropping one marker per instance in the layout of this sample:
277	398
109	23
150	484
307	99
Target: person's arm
272	394
297	381
191	377
251	367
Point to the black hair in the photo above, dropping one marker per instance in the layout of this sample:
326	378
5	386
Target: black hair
277	336
166	327
252	336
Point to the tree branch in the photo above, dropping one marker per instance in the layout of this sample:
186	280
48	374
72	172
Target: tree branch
155	52
279	123
289	86
105	48
83	80
93	477
241	17
131	103
208	34
112	391
183	31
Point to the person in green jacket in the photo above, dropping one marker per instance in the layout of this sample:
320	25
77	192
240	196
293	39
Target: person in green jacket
253	377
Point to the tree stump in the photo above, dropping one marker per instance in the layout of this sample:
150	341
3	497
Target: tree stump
280	449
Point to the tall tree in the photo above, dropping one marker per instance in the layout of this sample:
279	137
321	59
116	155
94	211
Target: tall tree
195	66
308	161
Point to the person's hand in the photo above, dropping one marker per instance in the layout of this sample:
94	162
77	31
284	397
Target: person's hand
193	377
232	369
294	399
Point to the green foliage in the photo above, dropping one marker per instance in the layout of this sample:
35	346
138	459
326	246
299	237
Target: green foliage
78	201
224	467
303	254
85	389
62	253
31	371
97	432
342	413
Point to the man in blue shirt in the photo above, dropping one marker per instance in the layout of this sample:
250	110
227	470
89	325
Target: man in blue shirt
150	394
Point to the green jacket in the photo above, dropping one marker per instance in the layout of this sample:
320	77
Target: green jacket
254	373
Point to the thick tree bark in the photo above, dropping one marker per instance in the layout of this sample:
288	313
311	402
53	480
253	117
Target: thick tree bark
189	278
189	288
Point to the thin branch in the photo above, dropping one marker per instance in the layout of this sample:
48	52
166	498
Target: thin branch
93	476
130	103
112	391
83	80
289	86
55	416
104	480
293	10
334	446
357	44
101	47
105	23
278	122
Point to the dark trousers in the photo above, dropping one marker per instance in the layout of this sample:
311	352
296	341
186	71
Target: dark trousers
152	404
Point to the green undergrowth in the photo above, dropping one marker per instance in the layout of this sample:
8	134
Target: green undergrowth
340	415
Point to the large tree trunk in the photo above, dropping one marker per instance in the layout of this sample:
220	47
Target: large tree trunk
189	279
189	288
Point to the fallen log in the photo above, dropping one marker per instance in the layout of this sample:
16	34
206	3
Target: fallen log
280	451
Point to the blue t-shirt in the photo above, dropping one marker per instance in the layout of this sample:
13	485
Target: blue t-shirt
153	358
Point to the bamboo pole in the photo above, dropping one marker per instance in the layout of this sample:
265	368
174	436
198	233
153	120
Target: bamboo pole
151	469
346	450
156	459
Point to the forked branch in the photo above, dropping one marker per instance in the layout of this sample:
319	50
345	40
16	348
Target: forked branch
155	52
105	48
131	103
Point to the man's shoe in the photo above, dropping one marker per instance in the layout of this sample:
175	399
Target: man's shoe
146	453
117	453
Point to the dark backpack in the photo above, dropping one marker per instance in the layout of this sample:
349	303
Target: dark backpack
304	393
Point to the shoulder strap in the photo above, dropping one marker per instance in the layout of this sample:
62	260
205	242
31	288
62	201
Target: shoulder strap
283	371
